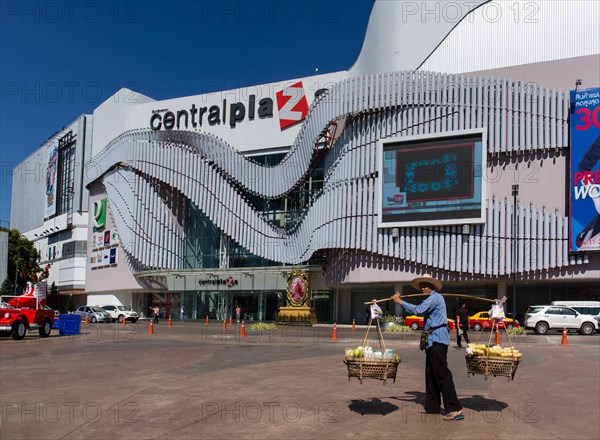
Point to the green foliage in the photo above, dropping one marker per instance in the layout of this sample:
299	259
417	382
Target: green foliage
397	328
393	318
516	331
22	257
262	326
70	304
7	287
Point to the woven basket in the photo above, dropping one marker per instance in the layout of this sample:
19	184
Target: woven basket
382	369
492	366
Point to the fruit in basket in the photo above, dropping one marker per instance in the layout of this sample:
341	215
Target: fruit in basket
358	352
494	351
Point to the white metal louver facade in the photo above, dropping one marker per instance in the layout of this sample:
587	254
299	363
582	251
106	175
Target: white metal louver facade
519	119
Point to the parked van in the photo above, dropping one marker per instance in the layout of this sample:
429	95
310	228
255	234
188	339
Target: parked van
584	307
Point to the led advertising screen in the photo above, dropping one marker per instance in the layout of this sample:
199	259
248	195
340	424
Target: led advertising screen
585	170
432	179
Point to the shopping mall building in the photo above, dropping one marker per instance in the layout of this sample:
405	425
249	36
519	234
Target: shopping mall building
447	148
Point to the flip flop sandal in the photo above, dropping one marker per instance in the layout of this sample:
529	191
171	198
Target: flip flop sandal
454	418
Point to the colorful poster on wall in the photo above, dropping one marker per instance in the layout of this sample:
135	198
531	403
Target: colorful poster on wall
585	170
113	256
50	205
98	240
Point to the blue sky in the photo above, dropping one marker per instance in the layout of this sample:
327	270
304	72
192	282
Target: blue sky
61	59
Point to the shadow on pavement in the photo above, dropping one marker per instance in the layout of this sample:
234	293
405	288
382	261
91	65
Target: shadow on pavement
372	406
480	403
476	403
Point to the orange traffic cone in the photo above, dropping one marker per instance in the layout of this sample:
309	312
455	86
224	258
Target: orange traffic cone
334	333
564	337
224	325
353	324
151	328
206	320
230	321
124	321
170	324
243	330
497	338
87	319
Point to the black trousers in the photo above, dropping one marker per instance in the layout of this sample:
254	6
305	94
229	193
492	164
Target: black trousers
465	329
438	380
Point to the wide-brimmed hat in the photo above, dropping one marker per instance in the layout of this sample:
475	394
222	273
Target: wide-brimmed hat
426	278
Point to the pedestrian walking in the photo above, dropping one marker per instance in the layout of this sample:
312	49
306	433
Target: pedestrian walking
462	324
438	377
155	312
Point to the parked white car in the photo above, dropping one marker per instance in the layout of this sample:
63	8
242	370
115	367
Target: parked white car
119	313
544	318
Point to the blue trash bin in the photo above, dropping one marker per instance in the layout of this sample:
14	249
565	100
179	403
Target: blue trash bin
69	325
56	323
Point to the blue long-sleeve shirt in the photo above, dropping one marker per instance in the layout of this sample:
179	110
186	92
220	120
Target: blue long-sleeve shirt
433	310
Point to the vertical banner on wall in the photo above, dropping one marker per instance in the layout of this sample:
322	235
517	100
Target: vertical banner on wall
50	206
585	169
99	215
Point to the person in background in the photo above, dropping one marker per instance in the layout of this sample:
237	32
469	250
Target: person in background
438	377
462	324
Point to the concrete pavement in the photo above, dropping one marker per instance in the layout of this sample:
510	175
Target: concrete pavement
194	381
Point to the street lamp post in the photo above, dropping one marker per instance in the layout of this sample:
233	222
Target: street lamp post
16	273
515	193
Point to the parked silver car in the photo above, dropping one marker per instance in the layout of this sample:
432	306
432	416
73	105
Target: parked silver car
94	314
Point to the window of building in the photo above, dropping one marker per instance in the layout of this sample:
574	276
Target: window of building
65	174
202	240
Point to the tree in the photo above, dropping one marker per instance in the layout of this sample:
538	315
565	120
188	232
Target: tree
70	304
23	258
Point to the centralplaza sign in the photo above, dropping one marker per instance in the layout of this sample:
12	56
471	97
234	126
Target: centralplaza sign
292	107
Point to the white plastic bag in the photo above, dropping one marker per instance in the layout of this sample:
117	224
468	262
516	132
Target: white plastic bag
376	312
497	312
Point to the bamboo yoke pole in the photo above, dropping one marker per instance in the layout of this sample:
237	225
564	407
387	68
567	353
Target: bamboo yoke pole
427	294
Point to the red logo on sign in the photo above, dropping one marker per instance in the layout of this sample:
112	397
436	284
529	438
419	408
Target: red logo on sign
230	282
292	105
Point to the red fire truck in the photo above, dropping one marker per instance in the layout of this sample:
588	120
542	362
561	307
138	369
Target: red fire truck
18	314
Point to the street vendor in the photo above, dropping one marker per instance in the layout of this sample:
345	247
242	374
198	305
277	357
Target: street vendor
438	377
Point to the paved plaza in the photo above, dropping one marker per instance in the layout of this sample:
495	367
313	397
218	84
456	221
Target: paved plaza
196	381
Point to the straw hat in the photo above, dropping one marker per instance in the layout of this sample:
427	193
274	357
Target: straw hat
426	278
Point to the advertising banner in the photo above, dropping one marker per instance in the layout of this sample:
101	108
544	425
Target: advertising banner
104	258
432	179
585	170
99	215
50	205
